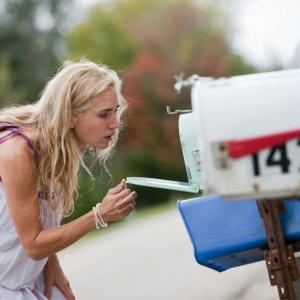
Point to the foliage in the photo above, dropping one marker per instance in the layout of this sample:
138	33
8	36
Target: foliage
148	42
153	40
89	193
101	36
31	50
8	94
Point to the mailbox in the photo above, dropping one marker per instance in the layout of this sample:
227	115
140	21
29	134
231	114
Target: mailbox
248	131
241	141
227	234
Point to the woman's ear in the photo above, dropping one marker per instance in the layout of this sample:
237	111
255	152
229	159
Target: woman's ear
73	121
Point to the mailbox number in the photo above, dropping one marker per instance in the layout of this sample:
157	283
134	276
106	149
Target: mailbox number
277	156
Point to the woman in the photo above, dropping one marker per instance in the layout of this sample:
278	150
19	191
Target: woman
41	150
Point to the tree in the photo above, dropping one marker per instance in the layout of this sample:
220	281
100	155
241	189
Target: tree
31	42
151	41
101	38
8	94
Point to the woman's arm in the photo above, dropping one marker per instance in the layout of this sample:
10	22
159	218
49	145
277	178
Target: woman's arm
114	207
18	172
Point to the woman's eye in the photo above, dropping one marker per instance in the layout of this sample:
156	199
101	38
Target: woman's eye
103	115
108	114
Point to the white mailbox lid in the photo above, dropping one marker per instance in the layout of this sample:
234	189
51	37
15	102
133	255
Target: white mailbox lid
244	107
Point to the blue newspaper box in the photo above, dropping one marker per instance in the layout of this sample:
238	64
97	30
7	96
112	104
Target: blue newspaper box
228	234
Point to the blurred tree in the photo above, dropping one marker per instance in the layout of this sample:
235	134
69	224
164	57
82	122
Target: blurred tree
8	94
153	40
102	38
31	42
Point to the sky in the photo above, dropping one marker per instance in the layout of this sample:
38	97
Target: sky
266	32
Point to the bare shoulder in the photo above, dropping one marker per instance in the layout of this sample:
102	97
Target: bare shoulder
16	155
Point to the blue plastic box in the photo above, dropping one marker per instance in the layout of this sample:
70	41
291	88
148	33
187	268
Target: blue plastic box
228	234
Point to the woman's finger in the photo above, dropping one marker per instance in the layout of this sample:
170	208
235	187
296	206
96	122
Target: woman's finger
48	289
69	294
67	291
118	188
126	210
49	282
128	199
123	194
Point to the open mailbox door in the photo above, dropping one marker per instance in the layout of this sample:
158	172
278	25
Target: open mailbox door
188	140
248	130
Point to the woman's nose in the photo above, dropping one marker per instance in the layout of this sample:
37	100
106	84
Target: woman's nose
115	124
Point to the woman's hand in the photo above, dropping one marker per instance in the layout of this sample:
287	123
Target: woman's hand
54	275
118	203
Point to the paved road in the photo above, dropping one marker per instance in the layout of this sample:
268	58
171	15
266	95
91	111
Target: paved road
152	259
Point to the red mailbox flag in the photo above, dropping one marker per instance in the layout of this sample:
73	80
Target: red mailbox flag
240	148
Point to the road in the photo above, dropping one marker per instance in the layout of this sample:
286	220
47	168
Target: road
152	259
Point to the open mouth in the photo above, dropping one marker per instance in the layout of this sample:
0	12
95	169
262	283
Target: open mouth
108	137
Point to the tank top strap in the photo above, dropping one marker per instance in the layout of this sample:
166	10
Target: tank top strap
15	129
4	126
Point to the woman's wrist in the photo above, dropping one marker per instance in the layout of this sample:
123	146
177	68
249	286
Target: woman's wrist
100	222
53	258
91	220
52	262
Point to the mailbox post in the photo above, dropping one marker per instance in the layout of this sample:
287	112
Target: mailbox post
280	259
249	138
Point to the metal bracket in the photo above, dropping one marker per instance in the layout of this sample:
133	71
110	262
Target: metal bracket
190	81
280	259
169	112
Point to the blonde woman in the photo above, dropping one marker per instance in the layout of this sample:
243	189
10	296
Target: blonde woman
41	149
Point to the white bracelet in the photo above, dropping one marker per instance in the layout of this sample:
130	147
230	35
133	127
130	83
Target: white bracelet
99	222
96	218
100	218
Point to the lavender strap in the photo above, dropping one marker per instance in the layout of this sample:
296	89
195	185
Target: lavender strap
14	128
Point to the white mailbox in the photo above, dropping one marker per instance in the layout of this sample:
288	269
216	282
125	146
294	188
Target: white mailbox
249	134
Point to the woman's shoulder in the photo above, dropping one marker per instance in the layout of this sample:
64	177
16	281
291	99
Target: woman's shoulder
14	149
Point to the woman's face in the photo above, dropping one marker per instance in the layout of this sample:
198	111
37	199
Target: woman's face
97	125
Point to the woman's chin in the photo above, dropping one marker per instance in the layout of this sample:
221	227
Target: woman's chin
102	145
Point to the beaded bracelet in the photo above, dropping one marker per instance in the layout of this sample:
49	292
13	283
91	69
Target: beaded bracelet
99	222
102	222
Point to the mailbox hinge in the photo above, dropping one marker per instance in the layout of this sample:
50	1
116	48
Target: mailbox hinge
280	259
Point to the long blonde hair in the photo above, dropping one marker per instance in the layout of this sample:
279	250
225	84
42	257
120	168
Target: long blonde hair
69	92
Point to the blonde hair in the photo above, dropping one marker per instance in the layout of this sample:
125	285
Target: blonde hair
69	92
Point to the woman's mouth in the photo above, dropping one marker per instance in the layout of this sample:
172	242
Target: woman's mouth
108	137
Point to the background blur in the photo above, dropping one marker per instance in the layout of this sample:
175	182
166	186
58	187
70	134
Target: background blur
148	42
